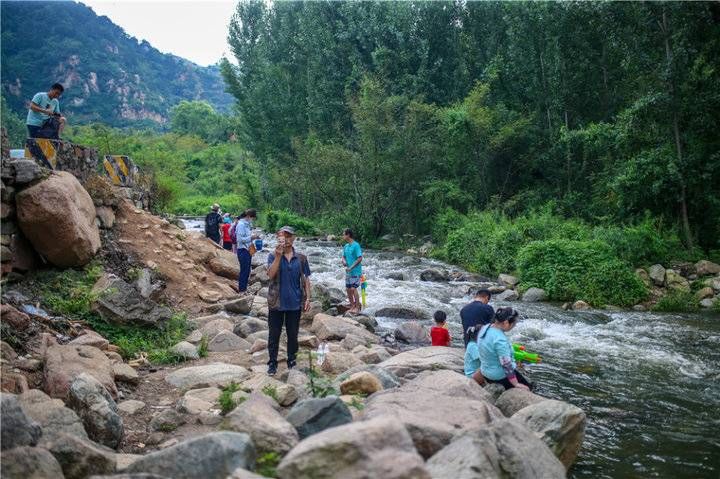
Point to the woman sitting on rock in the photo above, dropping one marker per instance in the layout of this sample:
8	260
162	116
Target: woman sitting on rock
497	360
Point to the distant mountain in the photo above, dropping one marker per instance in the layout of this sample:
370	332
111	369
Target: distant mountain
108	75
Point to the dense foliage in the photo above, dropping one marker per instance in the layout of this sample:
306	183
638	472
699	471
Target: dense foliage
109	76
380	115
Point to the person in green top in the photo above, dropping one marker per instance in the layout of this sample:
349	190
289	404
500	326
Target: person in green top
352	259
43	107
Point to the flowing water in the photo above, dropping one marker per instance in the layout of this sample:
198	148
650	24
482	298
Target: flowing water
649	383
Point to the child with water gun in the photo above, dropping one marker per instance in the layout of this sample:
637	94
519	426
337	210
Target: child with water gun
497	356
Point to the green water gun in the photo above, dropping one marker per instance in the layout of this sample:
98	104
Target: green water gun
522	355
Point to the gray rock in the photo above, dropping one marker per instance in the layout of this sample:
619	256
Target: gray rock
514	399
580	305
17	429
657	274
212	456
125	373
705	267
120	303
25	171
239	306
368	322
412	332
51	414
311	416
166	421
227	341
508	280
186	350
378	448
449	383
434	275
388	379
534	295
423	359
402	312
214	374
197	401
131	406
248	325
330	328
501	450
29	463
708	302
256	416
79	457
507	295
561	426
396	276
97	410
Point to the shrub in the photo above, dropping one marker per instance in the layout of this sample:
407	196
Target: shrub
267	464
275	219
571	269
677	302
199	205
643	243
226	401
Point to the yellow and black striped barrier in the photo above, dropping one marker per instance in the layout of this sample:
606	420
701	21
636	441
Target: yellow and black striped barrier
121	169
43	150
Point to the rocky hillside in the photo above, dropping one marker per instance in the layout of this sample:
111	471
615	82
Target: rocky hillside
109	76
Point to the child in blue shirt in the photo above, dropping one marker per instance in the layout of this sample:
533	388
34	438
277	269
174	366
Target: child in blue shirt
497	360
472	356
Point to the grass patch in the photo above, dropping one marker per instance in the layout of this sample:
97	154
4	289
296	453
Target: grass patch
203	347
270	391
226	401
69	294
357	403
677	302
266	464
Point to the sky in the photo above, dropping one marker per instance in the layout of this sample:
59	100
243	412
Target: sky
195	30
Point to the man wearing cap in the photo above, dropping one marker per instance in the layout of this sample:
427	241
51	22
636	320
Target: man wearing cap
288	295
213	221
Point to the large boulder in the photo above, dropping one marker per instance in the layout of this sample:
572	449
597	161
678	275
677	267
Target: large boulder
435	275
560	425
430	433
675	281
80	458
241	305
657	274
402	312
507	295
29	463
17	429
313	415
57	215
415	361
534	295
212	456
501	450
412	332
256	416
119	302
379	448
508	280
450	383
97	410
515	399
51	414
63	363
705	268
225	264
333	328
248	325
214	374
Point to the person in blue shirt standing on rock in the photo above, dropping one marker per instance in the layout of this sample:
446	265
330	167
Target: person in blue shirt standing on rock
352	260
44	119
288	296
243	239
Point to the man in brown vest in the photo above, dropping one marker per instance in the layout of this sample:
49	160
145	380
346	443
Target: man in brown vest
288	295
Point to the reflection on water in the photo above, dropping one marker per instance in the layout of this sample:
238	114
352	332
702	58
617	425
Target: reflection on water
649	383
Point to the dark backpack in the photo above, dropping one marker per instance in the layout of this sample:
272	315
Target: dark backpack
50	129
212	223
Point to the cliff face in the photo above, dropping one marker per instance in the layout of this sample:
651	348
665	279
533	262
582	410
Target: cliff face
108	75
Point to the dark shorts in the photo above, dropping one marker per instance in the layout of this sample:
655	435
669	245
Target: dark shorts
32	131
227	245
352	282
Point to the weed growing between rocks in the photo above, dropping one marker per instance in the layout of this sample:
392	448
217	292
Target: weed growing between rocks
677	302
357	403
266	464
270	391
226	401
203	347
318	385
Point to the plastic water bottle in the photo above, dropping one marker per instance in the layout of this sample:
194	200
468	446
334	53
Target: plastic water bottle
326	350
321	354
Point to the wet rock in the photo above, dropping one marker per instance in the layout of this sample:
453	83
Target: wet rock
379	448
51	414
514	399
248	325
534	295
412	332
166	421
402	312
119	302
17	428
398	276
130	407
96	409
561	426
580	305
186	350
506	295
368	322
58	217
197	401
29	463
430	433
214	374
80	458
239	306
363	383
212	456
313	415
435	275
227	341
423	359
332	328
256	416
64	363
502	449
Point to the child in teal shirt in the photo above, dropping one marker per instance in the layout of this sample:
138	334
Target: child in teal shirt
497	360
472	356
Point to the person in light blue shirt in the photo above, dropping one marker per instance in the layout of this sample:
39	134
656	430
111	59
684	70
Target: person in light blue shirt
43	106
472	356
352	260
243	238
497	360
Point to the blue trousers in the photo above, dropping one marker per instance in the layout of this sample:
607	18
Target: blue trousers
244	259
